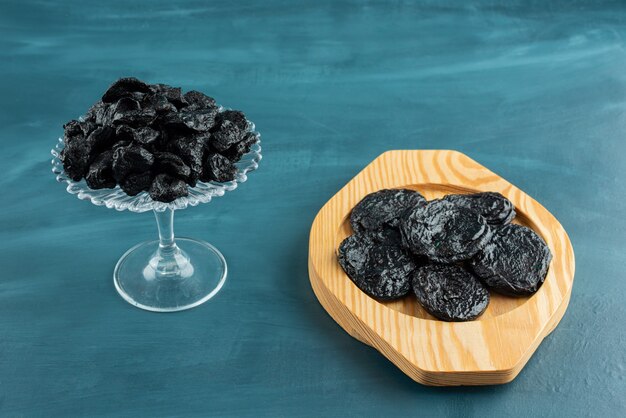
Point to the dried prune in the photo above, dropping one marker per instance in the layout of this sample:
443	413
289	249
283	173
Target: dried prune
174	95
126	104
226	136
172	164
234	116
99	140
383	272
100	173
125	113
100	113
515	262
146	136
383	209
135	183
444	232
386	235
124	133
166	188
173	125
199	120
75	158
67	139
88	127
158	102
75	128
218	168
495	208
131	159
124	87
121	144
236	151
72	128
197	100
191	150
204	138
449	292
79	152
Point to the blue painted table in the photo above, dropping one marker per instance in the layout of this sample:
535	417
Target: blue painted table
536	92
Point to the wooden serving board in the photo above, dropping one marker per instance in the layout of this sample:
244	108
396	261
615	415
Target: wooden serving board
490	350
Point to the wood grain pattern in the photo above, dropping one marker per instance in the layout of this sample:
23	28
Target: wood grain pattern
490	350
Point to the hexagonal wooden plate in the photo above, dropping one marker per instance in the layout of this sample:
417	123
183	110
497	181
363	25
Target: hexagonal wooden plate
490	350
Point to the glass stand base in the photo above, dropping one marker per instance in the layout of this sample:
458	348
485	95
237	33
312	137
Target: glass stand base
170	279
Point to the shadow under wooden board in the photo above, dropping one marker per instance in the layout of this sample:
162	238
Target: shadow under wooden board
489	350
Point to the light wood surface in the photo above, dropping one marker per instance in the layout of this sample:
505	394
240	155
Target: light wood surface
490	350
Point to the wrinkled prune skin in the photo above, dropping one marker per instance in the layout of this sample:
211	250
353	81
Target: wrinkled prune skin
226	136
236	151
79	152
100	140
166	188
386	236
191	150
158	102
138	131
100	113
100	173
444	232
172	164
134	117
126	104
131	159
515	262
218	168
234	116
75	158
172	123
449	292
383	272
69	140
146	136
88	127
121	144
199	120
383	209
196	100
124	133
495	208
174	95
72	129
124	87
135	183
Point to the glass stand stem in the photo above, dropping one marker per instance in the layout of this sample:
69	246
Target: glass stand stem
165	223
168	261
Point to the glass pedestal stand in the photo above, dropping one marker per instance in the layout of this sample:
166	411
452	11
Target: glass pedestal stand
165	275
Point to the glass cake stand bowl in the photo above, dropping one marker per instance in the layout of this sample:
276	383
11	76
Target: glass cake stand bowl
165	275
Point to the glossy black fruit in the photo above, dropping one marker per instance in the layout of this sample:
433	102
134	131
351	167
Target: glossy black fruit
515	262
444	232
383	272
449	292
495	208
384	209
166	188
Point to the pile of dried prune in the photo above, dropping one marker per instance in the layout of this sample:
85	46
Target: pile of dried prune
449	251
154	138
